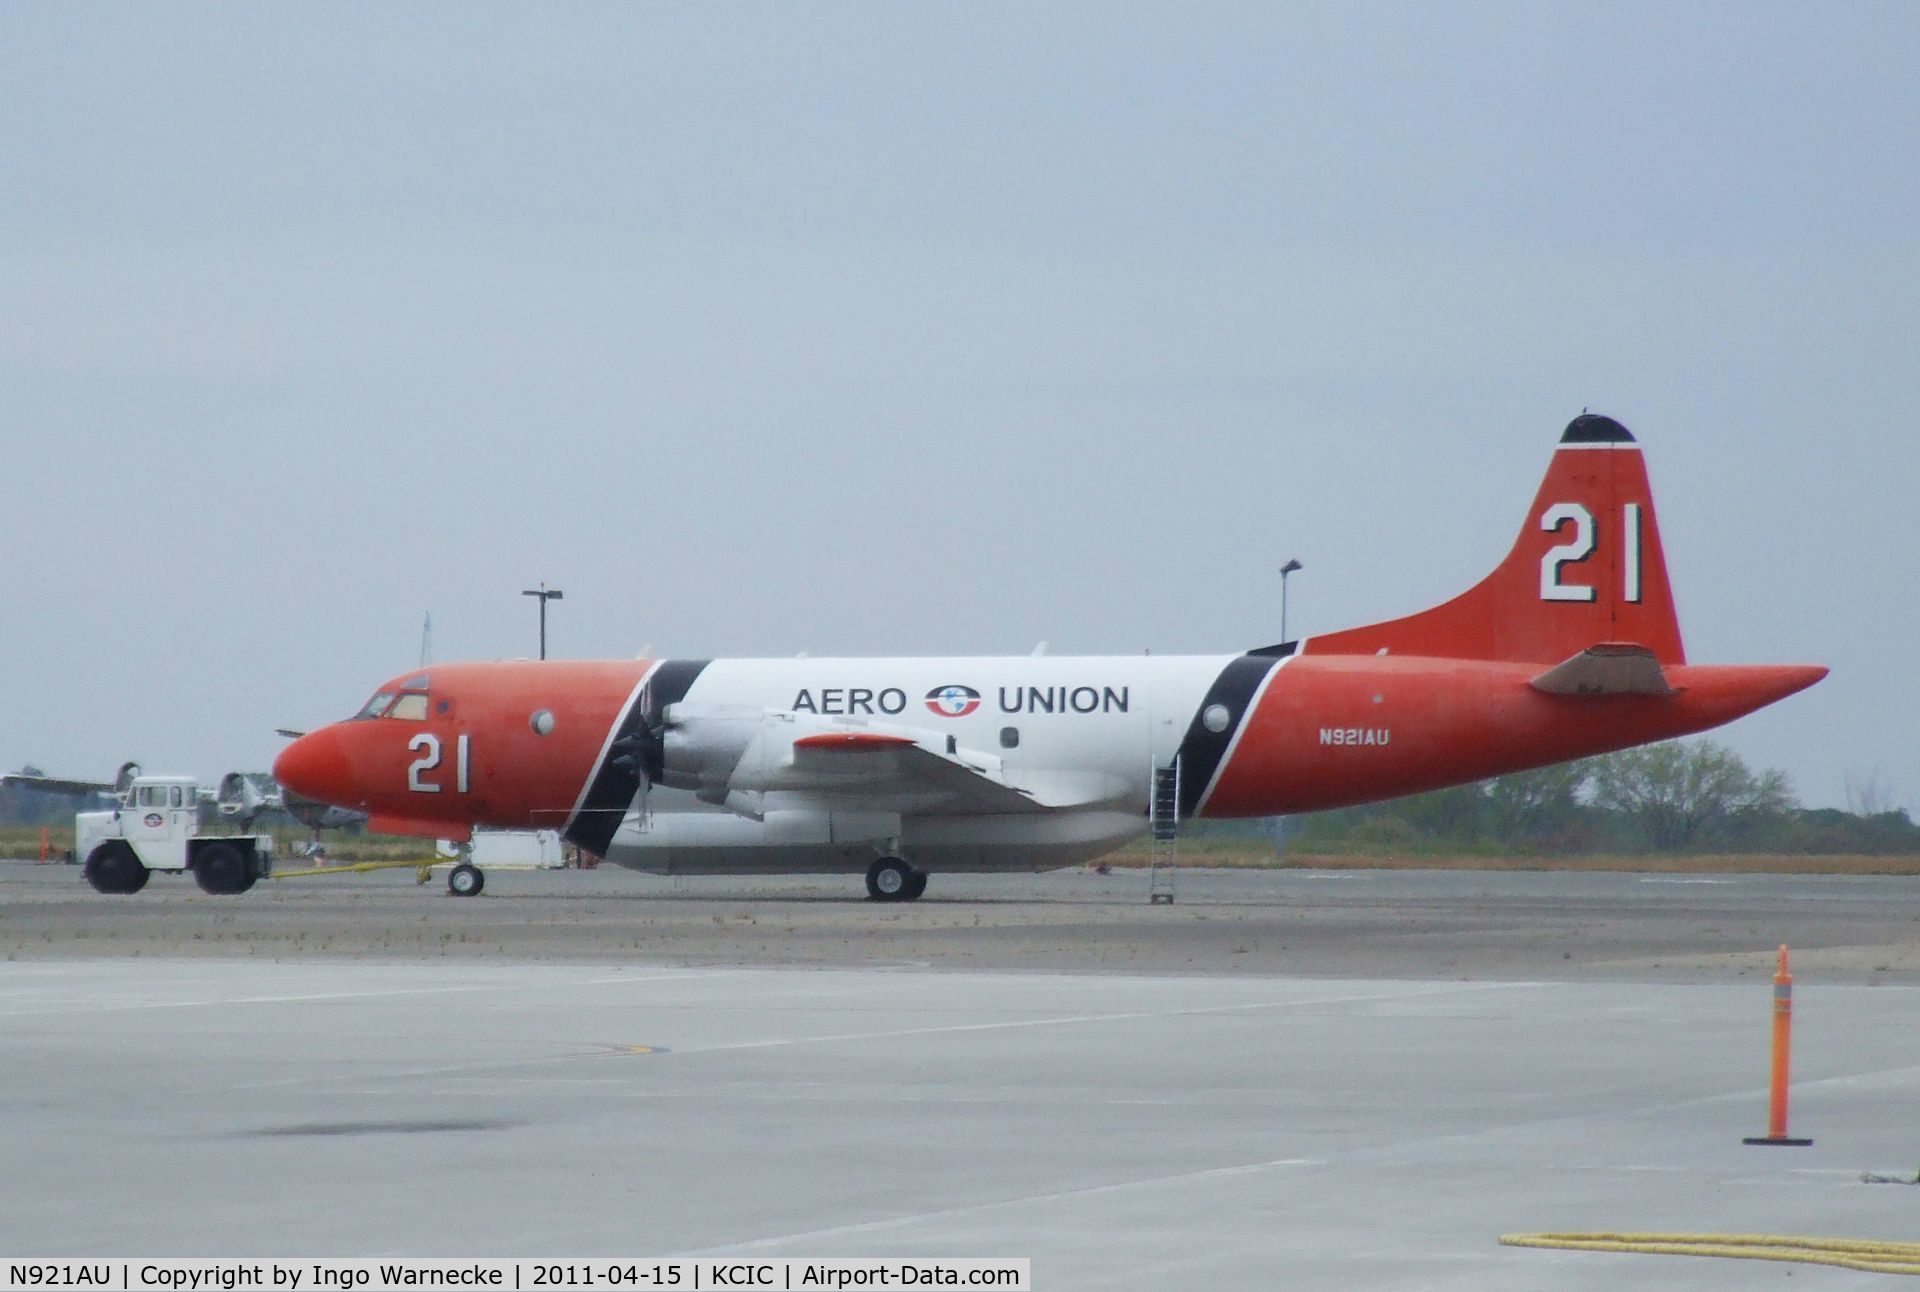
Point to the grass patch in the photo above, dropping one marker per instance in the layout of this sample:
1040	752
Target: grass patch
1253	857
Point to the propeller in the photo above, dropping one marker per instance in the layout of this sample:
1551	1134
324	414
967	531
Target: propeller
642	752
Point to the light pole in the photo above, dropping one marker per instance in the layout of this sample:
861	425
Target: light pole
1285	570
547	594
1280	822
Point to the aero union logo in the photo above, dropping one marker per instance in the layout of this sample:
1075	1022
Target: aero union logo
953	701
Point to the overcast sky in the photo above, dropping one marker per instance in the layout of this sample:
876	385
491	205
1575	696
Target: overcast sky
908	329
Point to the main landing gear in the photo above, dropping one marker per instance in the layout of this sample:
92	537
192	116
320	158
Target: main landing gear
465	879
891	879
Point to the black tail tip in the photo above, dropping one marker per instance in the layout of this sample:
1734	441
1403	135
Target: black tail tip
1592	428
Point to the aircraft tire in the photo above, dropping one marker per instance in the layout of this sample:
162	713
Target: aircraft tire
220	869
916	887
112	868
466	880
889	880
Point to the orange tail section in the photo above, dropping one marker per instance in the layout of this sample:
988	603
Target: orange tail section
1586	569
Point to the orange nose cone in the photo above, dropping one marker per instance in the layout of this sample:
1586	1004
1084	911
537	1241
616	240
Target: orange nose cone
315	767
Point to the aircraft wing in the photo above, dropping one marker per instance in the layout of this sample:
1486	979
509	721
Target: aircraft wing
57	785
885	768
877	768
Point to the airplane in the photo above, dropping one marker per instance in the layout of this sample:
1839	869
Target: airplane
902	768
243	796
240	796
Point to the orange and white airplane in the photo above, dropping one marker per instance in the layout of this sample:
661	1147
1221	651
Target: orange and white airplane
901	768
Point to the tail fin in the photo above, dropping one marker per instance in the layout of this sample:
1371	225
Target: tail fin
1586	569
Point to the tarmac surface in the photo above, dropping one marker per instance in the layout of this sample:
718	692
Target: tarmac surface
1286	1079
1346	923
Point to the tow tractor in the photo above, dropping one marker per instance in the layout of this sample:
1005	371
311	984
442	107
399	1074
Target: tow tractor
157	827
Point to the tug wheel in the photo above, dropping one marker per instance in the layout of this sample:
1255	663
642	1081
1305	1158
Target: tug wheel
112	868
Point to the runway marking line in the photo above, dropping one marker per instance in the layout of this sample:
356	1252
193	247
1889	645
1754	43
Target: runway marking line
503	1065
1090	1191
1064	1020
1865	1254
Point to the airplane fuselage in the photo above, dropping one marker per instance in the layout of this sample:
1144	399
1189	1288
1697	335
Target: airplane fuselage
530	745
1570	647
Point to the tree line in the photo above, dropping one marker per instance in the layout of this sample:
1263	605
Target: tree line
1677	796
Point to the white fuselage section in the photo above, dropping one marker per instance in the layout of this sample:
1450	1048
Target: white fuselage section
1079	736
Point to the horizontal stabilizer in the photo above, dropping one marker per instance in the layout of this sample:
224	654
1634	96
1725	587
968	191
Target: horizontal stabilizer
1611	668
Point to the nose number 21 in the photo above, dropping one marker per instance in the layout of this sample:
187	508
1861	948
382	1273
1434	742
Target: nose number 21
427	745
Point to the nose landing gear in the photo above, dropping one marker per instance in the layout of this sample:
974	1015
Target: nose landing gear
465	879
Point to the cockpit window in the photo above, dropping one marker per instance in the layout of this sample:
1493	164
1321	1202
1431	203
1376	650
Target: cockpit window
412	705
410	701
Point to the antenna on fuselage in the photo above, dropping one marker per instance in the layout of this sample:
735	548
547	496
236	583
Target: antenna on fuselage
426	640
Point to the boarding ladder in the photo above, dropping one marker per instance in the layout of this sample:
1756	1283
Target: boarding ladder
1163	811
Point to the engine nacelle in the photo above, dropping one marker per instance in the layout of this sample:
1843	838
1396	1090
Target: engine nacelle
238	796
702	745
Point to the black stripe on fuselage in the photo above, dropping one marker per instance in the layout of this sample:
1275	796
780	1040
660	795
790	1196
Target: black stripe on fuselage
1202	750
617	779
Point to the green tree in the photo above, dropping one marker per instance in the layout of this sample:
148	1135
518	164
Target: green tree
1528	806
1679	795
1452	815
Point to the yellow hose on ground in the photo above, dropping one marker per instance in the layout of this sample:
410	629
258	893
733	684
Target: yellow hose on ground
1864	1254
357	868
